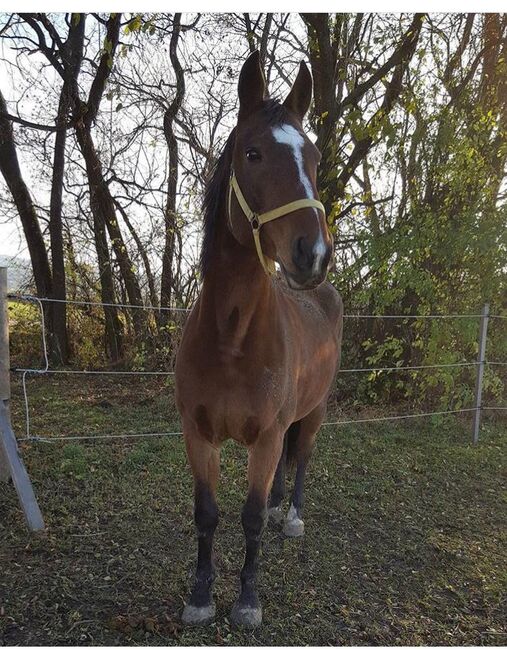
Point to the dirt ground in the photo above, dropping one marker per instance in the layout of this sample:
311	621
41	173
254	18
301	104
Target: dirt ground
405	533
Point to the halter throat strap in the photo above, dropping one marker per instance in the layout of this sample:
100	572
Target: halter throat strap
258	220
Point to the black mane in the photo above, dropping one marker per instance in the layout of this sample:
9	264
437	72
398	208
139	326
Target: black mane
217	184
216	189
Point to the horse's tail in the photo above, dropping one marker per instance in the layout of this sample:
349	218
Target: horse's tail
292	442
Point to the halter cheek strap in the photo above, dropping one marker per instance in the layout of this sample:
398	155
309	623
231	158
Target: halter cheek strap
258	220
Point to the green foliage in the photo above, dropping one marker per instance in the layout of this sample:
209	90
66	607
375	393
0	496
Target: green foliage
134	25
24	334
439	247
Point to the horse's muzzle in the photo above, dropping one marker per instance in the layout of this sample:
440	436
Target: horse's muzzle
310	263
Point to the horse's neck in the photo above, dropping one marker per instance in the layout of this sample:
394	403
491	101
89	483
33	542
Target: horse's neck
236	291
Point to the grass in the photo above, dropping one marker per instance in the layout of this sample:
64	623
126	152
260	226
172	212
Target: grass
405	540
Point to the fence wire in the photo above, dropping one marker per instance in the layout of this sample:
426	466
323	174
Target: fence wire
28	298
150	434
46	370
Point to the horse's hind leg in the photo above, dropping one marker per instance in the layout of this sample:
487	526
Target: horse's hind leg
278	490
262	461
204	460
300	449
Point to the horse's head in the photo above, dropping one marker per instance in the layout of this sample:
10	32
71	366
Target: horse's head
274	165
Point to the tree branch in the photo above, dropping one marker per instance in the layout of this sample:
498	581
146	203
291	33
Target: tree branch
400	54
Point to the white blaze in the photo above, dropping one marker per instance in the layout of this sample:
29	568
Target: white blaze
288	135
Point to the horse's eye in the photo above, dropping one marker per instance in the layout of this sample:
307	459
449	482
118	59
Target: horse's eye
253	155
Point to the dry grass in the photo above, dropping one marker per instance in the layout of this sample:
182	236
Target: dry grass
405	538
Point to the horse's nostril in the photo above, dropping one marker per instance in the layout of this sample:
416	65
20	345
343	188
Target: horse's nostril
303	254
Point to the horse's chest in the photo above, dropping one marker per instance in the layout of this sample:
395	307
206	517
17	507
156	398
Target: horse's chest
227	402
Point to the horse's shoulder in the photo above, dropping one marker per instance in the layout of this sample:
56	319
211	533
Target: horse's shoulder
324	299
330	300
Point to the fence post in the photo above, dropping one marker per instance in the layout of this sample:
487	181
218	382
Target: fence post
483	332
5	392
11	464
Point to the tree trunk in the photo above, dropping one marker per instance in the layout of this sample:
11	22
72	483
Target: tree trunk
59	341
9	166
72	55
101	201
142	252
113	326
104	216
172	182
329	108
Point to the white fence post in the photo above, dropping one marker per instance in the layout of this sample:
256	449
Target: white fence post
11	464
483	332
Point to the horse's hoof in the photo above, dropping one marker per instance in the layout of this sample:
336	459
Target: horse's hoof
245	616
198	615
276	514
293	526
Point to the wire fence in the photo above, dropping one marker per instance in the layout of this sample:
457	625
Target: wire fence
30	298
45	370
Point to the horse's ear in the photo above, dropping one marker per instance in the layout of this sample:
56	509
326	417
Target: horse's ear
251	85
300	95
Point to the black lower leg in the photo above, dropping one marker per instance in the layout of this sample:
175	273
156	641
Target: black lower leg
278	489
298	492
254	520
206	520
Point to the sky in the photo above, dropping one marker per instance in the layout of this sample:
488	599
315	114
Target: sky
11	79
12	241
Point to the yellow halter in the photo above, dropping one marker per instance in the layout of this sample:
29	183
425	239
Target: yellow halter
258	220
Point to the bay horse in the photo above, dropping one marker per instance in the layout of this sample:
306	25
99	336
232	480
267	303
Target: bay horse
259	351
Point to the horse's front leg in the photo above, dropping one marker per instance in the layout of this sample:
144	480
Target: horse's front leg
263	458
302	450
204	460
278	489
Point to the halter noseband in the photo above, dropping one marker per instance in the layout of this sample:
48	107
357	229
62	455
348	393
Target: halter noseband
258	220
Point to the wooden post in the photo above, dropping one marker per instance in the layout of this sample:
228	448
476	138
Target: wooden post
11	463
5	387
483	332
5	473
